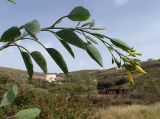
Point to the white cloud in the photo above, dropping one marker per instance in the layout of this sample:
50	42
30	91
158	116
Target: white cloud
120	2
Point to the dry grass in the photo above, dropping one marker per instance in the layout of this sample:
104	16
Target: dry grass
130	112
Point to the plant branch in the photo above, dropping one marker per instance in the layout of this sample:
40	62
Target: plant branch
59	20
47	29
8	44
19	46
36	41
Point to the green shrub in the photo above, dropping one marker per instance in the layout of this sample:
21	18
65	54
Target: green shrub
52	105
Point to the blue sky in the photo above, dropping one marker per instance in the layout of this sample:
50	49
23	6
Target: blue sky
135	21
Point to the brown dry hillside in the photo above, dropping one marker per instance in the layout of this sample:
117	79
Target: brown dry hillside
117	77
113	77
146	89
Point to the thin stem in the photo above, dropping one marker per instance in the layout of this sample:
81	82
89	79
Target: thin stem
54	34
109	50
48	28
77	28
85	36
78	24
36	41
58	21
19	46
5	46
50	31
8	44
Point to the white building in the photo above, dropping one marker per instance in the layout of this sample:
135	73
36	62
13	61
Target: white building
51	78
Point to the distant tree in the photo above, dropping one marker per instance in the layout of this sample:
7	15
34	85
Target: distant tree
103	85
121	81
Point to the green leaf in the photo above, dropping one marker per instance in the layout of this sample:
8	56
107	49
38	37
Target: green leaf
94	54
92	24
57	57
10	34
92	40
99	35
9	96
69	49
28	63
118	63
65	44
113	61
70	37
121	44
89	24
97	28
12	1
79	14
33	28
57	22
86	24
40	60
27	113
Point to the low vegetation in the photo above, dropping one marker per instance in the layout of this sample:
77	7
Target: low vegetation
77	98
56	105
130	112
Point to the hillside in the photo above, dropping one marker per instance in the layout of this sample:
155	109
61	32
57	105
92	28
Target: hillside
78	93
93	80
117	78
145	90
111	78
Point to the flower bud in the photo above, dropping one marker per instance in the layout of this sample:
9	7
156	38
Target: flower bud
138	68
130	77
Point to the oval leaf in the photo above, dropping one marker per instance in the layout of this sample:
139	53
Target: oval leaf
99	35
10	34
12	1
66	45
57	57
97	28
121	44
94	54
92	40
79	14
9	96
86	24
32	28
28	113
28	63
89	24
70	37
40	60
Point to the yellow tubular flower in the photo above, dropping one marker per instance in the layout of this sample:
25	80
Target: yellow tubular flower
125	59
136	53
138	68
133	53
130	77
